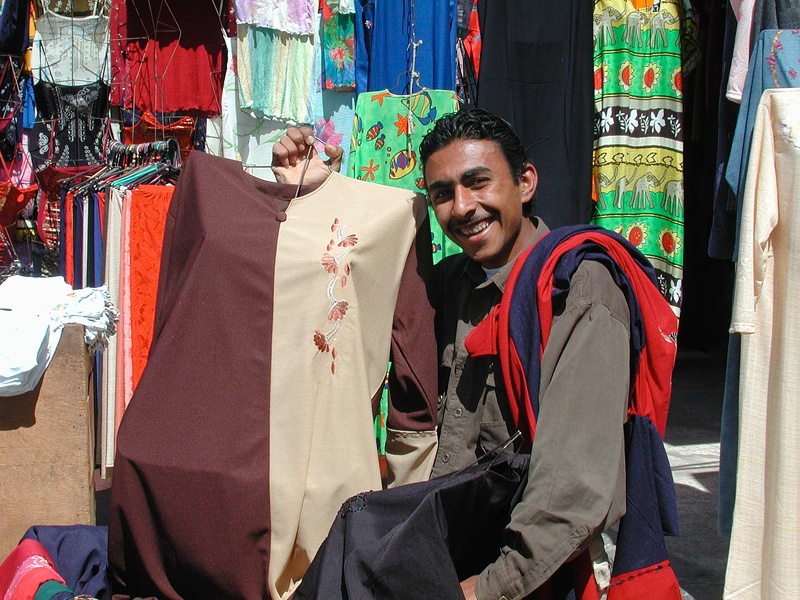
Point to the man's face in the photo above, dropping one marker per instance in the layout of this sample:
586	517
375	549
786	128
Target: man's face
477	202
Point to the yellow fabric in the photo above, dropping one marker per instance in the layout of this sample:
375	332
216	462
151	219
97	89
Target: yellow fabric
341	254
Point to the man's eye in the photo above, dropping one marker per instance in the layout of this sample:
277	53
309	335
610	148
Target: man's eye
441	196
478	181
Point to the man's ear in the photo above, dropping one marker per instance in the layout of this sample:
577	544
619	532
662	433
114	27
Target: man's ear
528	182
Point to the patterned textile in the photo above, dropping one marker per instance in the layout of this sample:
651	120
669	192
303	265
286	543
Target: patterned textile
70	51
289	16
248	135
387	132
73	127
638	161
338	48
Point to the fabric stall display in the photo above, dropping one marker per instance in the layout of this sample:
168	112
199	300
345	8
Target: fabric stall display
168	56
235	383
71	50
404	46
25	570
293	16
248	136
638	156
37	308
536	74
14	22
57	563
763	556
48	216
134	191
468	52
146	127
12	81
772	65
276	72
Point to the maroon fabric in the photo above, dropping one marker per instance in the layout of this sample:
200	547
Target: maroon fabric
413	381
189	514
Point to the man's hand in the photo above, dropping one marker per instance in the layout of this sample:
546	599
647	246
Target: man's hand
468	588
289	154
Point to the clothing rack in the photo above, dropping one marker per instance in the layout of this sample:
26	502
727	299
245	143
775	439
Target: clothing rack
127	155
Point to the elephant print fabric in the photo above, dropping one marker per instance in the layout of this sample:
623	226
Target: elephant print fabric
638	152
387	132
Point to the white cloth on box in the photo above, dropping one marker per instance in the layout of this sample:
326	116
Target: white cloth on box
33	312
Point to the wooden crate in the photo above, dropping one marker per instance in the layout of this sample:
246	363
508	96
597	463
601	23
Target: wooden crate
46	447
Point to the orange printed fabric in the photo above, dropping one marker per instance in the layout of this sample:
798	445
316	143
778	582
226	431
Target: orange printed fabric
148	217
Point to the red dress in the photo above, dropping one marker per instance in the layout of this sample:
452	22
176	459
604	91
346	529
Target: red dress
167	56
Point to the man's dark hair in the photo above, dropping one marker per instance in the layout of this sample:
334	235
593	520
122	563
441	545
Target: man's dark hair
478	124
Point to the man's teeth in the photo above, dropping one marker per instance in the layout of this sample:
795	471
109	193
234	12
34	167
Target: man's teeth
476	228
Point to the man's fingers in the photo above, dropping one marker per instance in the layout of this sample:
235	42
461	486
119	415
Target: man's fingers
335	155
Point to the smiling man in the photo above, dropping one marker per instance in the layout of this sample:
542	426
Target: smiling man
481	187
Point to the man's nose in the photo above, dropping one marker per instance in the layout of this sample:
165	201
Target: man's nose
463	203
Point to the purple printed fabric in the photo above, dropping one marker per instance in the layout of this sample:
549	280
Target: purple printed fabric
291	16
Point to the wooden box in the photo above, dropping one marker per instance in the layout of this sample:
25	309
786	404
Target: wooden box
46	447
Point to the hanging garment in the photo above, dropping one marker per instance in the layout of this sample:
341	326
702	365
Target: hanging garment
14	21
743	10
385	55
290	16
638	157
167	56
290	405
387	132
338	47
775	63
10	102
70	50
248	137
112	254
48	216
763	556
774	14
73	126
148	217
148	128
535	73
276	73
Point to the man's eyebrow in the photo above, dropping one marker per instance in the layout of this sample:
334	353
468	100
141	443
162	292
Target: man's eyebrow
473	172
443	183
